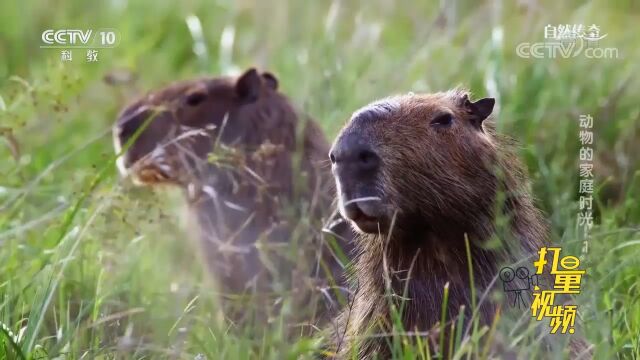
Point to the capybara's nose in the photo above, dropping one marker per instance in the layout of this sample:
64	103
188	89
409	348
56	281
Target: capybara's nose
140	123
355	153
128	126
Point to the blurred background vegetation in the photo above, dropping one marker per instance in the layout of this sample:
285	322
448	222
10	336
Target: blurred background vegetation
90	268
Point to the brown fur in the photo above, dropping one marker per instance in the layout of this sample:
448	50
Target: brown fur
436	184
249	164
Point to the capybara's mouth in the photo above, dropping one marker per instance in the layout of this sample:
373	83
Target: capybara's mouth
368	224
152	169
150	174
366	214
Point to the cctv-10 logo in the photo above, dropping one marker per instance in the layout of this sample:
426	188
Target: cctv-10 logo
102	38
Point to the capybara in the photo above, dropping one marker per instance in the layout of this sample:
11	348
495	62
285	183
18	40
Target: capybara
415	176
250	166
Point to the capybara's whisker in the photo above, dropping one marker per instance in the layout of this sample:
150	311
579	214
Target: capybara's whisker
362	199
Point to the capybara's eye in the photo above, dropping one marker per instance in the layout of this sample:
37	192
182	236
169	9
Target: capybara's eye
367	157
195	98
442	120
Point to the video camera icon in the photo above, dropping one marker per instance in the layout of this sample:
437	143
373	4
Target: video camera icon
517	281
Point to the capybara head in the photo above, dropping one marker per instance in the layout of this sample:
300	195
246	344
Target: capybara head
416	161
168	134
233	145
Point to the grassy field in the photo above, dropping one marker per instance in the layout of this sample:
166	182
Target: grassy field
91	268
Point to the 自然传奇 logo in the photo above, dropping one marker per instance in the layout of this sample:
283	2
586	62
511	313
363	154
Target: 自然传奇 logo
568	41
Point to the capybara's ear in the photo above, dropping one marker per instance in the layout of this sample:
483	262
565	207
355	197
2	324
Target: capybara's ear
479	110
270	80
248	85
483	107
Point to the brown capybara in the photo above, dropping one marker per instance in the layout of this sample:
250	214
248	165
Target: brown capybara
250	166
415	175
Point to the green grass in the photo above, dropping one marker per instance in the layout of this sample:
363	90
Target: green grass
90	268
